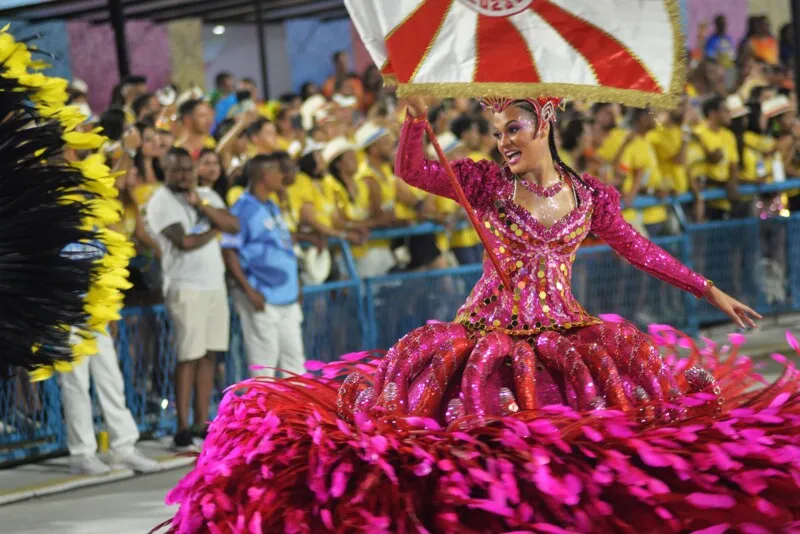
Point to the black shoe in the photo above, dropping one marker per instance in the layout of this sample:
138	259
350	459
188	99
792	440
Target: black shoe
183	441
200	431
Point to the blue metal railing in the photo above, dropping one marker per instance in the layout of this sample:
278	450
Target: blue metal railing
352	314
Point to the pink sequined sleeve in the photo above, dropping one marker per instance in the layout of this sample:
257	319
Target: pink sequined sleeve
481	180
608	225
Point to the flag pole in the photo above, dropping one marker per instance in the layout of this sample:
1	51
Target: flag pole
462	199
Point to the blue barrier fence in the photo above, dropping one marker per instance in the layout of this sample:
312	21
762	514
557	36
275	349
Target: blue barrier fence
756	260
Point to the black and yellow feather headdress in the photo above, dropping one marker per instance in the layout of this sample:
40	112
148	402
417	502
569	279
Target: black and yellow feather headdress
51	302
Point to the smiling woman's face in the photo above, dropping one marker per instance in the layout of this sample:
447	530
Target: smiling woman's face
514	129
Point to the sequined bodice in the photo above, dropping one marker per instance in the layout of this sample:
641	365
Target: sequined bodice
538	260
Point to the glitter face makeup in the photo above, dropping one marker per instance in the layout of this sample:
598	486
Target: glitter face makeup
515	131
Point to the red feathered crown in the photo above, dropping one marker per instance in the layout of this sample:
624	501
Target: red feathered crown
545	107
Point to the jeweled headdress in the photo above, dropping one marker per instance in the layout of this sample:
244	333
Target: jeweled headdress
545	107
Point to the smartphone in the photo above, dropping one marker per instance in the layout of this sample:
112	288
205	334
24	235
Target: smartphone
297	122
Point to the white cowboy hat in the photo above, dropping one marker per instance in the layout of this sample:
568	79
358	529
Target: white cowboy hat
79	86
736	107
777	105
335	148
368	134
448	141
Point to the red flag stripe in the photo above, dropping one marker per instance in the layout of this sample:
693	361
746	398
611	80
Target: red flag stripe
613	64
386	68
503	55
409	42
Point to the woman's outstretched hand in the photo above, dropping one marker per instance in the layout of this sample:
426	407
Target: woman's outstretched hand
417	107
742	315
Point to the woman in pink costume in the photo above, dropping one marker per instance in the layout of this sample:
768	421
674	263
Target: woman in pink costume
526	414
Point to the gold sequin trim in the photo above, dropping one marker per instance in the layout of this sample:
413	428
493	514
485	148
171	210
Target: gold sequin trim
526	330
629	97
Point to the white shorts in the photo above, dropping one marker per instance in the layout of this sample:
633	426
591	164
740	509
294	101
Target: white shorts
273	338
202	321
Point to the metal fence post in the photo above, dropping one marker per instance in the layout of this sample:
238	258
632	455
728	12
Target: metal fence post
793	260
371	326
692	322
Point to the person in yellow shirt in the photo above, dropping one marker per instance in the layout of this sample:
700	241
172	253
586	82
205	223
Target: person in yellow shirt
289	136
148	157
609	143
132	223
466	141
237	190
353	202
670	140
715	156
751	162
375	168
756	137
756	150
291	203
306	197
464	243
376	174
243	139
262	136
131	88
744	255
642	175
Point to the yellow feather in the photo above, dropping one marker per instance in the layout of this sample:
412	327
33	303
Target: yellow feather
83	140
40	373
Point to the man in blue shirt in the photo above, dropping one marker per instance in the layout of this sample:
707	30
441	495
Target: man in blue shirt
719	46
263	265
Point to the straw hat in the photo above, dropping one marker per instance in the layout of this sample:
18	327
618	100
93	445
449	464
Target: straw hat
736	107
448	141
79	86
368	134
335	148
777	105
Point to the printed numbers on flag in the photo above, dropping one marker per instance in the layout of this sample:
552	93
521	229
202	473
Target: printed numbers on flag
497	8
